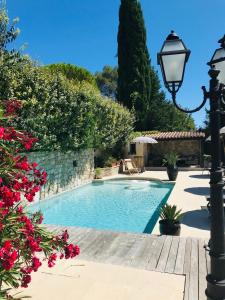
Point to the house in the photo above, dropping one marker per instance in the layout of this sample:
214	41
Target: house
187	144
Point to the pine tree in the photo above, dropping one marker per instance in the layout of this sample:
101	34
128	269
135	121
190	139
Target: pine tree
134	84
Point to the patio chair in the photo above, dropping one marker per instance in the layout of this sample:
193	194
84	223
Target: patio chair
130	167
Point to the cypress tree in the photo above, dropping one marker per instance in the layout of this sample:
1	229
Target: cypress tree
134	83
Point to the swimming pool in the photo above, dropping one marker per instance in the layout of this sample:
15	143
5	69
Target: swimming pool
117	205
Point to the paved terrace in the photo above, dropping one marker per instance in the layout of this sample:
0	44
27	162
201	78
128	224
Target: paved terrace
165	254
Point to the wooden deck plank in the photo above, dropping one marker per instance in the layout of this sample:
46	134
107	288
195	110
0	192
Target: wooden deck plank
156	252
104	245
55	228
87	240
77	236
170	265
102	242
122	249
117	242
134	251
187	265
193	284
202	270
179	266
141	259
164	254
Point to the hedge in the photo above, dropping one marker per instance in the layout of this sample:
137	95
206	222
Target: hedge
64	115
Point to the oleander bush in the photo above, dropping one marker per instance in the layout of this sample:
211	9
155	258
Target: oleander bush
22	238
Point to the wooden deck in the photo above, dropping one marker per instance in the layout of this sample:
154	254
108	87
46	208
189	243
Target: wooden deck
167	254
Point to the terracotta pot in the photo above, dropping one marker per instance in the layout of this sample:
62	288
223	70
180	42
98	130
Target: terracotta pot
114	164
168	228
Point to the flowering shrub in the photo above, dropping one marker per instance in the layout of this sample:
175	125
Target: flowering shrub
22	237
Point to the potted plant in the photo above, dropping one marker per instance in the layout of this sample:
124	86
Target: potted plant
98	173
111	162
170	220
170	160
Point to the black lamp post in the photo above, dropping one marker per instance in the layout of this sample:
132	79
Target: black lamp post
172	60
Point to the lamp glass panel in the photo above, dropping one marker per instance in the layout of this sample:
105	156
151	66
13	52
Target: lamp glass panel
220	53
174	45
173	66
221	67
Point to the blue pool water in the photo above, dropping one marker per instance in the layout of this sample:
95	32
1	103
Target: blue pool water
125	205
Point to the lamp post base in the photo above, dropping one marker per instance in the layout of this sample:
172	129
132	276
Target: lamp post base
215	289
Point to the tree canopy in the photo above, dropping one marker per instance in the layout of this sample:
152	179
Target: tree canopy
72	72
134	84
107	81
138	83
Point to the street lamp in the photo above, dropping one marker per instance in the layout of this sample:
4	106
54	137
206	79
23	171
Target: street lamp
218	60
172	60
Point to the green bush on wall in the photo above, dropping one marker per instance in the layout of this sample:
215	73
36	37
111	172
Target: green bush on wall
63	114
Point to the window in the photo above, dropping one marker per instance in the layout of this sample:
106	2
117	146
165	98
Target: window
132	149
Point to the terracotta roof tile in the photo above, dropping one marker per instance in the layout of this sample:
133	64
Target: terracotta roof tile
176	135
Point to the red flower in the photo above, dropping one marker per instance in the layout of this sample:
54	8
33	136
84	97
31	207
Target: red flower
7	245
8	196
29	226
26	270
51	260
11	106
26	279
36	263
20	209
2	130
34	165
7	256
29	197
23	165
17	186
71	251
33	245
65	236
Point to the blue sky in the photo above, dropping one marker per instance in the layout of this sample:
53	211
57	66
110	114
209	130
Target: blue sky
84	32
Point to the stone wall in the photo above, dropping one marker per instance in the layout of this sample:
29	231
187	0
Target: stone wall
184	148
110	171
181	147
65	170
